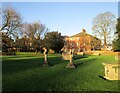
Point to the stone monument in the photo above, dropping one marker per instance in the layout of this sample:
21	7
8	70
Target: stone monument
65	56
112	71
65	53
70	64
45	63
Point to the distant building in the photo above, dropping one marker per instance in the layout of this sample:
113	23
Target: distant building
82	42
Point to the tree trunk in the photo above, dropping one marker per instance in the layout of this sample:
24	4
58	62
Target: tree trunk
105	43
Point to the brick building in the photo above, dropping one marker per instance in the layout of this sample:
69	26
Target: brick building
82	42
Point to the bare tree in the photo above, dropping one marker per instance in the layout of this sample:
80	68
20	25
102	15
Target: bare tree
34	32
11	21
104	27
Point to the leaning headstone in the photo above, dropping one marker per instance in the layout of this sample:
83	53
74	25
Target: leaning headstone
45	63
70	64
65	55
112	71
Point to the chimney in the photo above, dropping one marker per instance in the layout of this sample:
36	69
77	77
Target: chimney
83	30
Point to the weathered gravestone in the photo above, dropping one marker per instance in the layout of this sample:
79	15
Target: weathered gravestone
45	63
66	55
70	64
112	71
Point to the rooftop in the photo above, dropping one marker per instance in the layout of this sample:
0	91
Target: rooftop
82	33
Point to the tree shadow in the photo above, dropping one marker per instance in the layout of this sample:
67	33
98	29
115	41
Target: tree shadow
56	60
39	81
79	57
84	62
46	79
43	79
15	65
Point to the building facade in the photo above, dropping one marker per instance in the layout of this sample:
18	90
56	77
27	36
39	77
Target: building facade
82	42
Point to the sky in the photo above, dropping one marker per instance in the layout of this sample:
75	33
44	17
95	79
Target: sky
69	18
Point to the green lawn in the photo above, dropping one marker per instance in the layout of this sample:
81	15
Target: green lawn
24	72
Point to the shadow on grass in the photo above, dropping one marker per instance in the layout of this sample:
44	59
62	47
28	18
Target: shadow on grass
75	57
85	62
51	79
14	66
103	78
40	80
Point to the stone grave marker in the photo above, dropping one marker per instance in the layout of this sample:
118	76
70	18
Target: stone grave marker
112	71
65	56
45	63
70	64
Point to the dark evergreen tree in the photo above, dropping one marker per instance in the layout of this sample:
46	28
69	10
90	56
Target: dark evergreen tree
54	40
116	42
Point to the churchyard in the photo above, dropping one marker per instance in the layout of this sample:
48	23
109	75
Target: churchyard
60	47
25	72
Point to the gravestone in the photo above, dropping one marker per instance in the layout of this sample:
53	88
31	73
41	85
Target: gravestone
45	63
112	71
70	64
65	55
117	56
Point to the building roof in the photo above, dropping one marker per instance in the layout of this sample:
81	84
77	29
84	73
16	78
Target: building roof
83	33
80	34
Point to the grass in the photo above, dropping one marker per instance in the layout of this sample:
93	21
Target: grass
24	72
